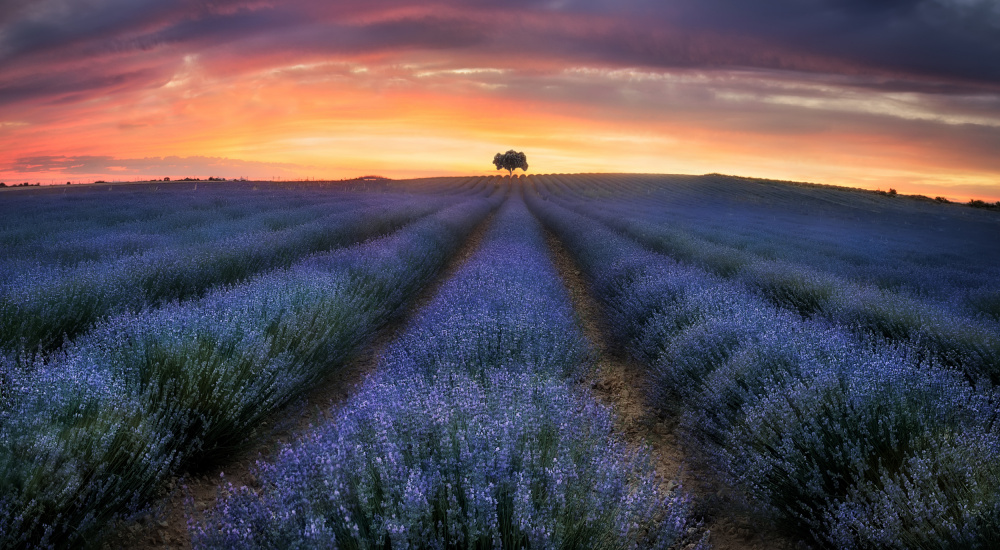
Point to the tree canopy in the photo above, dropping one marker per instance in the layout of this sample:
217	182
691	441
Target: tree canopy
510	161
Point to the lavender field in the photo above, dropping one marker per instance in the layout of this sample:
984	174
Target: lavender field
828	357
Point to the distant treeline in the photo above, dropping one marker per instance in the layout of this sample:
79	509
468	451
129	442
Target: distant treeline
367	178
26	184
167	179
186	179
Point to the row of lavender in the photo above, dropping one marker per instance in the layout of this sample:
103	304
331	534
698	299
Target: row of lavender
57	233
41	222
35	232
58	230
847	441
949	335
469	435
44	303
90	432
941	253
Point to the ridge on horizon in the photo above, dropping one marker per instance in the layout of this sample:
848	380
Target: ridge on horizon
890	192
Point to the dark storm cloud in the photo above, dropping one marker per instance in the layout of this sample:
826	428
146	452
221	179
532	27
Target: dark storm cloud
423	32
47	26
933	38
940	44
54	25
57	87
129	26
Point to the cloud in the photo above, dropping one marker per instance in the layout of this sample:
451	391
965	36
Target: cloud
54	166
908	41
848	82
66	25
56	86
938	39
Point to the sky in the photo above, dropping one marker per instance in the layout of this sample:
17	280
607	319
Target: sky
879	94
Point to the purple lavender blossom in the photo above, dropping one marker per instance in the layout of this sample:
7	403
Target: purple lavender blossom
90	431
468	435
830	430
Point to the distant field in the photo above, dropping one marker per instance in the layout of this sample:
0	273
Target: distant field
826	356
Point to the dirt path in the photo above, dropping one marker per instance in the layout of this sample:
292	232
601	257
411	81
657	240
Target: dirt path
619	381
167	527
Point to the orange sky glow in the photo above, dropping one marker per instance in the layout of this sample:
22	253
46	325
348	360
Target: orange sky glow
231	109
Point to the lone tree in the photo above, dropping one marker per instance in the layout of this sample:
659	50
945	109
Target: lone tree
510	161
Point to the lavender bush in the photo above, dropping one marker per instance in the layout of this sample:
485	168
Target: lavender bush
877	456
468	436
89	432
63	303
835	367
504	460
945	330
910	247
171	218
822	430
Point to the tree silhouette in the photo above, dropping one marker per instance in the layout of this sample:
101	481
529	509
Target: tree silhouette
510	161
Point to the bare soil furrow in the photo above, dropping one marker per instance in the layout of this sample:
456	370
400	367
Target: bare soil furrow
190	495
619	381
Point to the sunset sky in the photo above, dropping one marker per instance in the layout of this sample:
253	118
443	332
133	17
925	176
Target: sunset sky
876	94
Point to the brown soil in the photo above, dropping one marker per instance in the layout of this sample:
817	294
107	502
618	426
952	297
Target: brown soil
192	494
620	382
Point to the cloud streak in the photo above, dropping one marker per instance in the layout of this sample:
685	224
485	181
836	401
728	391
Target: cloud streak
72	166
929	40
894	88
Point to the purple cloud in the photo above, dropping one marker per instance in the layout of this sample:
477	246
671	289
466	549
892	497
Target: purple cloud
911	42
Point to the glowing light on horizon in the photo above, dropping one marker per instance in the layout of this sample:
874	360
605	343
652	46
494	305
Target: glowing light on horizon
339	91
